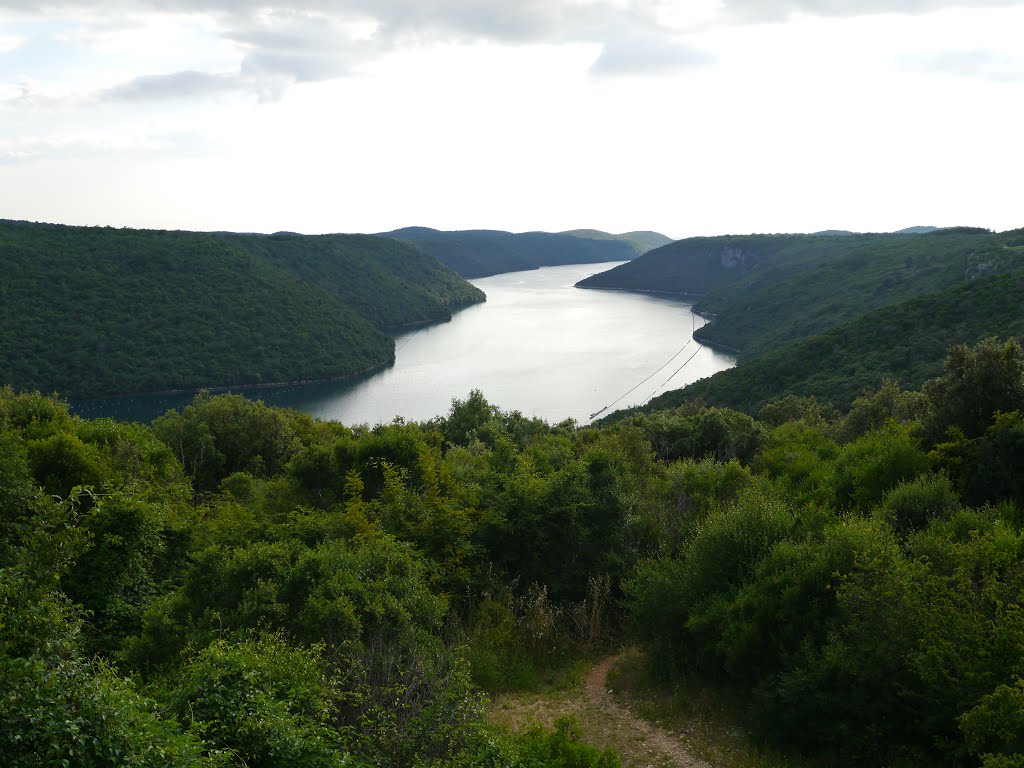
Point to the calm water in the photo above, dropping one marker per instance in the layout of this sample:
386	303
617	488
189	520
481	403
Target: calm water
539	345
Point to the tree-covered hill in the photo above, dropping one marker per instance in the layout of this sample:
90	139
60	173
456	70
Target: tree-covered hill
765	292
905	342
480	253
383	280
757	316
93	311
642	241
699	265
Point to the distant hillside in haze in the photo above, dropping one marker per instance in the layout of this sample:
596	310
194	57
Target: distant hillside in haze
907	231
88	311
482	252
916	231
641	241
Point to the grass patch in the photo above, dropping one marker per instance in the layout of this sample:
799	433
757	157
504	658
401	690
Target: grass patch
709	721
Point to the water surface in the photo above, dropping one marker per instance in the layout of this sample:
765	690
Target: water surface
538	345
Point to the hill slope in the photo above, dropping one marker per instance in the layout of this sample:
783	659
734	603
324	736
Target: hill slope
94	311
643	241
759	316
701	265
906	341
483	252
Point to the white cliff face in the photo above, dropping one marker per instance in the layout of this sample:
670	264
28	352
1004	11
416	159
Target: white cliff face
734	258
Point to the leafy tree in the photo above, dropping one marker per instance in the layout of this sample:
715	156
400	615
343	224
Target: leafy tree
978	382
262	701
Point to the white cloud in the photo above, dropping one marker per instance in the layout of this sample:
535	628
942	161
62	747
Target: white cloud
178	85
976	63
69	147
773	10
9	43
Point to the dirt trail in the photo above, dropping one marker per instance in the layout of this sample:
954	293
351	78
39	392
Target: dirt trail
605	722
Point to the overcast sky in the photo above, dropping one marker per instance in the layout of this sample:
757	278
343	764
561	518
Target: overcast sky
683	116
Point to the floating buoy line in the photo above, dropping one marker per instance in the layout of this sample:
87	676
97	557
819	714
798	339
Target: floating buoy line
693	329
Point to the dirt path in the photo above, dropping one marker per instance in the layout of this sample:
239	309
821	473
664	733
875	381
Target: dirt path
605	722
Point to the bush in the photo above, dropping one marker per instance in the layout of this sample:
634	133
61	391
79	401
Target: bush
912	505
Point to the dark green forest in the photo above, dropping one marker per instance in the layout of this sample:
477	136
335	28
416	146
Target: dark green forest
702	265
768	314
906	342
481	252
238	585
765	292
90	311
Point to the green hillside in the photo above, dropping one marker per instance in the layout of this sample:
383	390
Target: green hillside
906	342
94	311
383	280
762	315
481	252
700	265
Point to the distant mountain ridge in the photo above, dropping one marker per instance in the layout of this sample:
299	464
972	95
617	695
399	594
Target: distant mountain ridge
906	231
643	241
484	252
91	311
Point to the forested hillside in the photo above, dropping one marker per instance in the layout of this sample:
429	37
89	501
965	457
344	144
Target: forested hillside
764	292
699	265
642	242
762	315
480	253
905	342
244	586
92	311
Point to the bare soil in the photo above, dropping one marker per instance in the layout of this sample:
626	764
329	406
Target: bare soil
605	722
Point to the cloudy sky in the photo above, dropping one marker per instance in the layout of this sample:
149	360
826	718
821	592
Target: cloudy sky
684	116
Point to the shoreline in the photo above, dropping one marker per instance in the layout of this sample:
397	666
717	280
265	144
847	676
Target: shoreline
690	297
390	332
221	388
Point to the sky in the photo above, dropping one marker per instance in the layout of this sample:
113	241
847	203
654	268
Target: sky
688	117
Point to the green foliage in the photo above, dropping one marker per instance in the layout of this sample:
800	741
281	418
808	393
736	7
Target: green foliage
67	712
677	603
98	311
770	313
561	748
796	408
703	265
698	432
215	437
994	728
689	491
996	474
904	342
977	383
327	596
867	468
872	410
264	702
801	457
912	505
